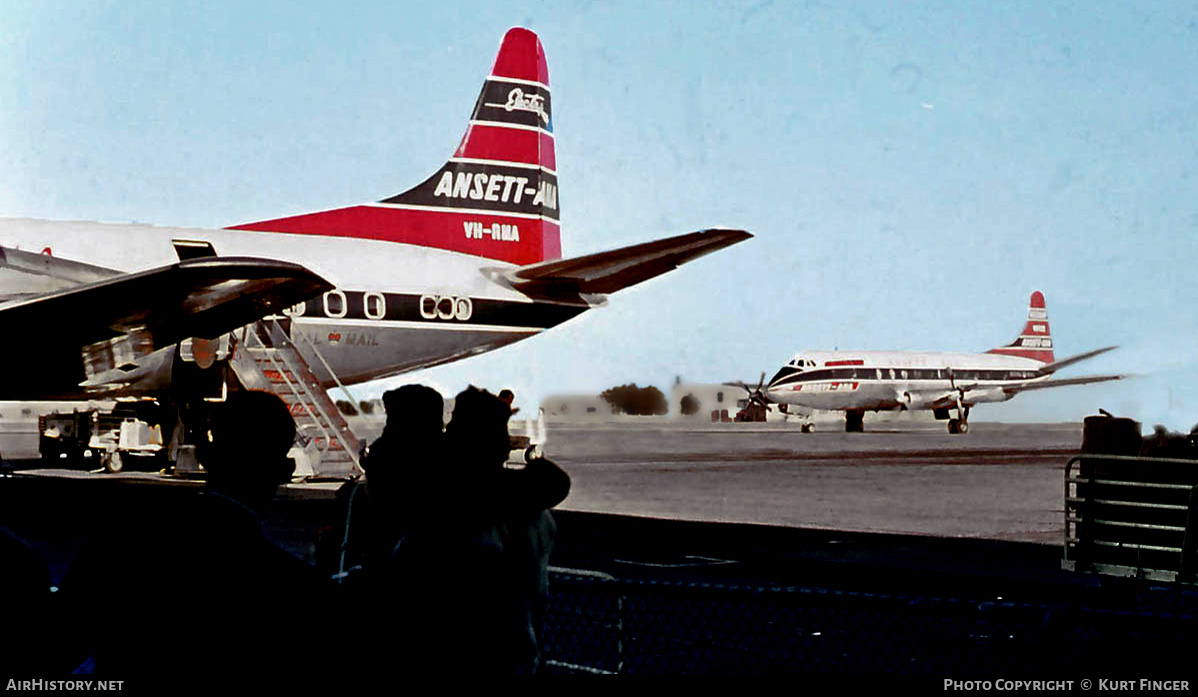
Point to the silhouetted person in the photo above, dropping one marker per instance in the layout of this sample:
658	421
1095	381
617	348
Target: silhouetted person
372	516
193	587
508	397
474	578
1167	444
397	464
25	639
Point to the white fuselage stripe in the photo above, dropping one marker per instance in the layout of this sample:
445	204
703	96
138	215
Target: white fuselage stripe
471	211
519	81
502	163
405	324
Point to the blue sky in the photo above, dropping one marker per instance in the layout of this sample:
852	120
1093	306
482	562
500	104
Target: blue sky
911	171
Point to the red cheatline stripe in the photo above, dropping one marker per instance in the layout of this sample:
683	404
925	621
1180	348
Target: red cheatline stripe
508	144
427	228
857	361
1042	355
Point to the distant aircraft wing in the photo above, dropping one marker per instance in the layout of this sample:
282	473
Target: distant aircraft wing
942	398
1060	382
49	335
1053	367
607	272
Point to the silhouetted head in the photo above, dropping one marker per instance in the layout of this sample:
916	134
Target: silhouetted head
415	421
478	429
416	409
507	396
250	435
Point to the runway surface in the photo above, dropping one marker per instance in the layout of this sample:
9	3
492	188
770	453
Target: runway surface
1000	481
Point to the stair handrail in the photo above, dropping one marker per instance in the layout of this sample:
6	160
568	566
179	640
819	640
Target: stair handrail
282	368
353	452
316	352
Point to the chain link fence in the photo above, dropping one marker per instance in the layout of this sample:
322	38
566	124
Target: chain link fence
600	624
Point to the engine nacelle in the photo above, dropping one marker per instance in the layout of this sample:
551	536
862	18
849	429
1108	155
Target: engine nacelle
987	394
918	400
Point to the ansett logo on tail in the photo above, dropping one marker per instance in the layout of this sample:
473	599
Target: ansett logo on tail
493	188
515	103
517	100
480	186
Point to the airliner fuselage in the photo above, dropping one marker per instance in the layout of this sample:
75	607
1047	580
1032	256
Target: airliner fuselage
880	380
859	381
397	307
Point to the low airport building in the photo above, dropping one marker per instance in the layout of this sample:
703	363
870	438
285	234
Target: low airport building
577	408
707	402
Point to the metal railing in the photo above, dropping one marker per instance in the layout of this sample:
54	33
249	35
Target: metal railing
290	374
1133	517
324	363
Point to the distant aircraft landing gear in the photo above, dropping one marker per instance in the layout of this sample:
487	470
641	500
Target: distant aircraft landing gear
854	421
959	425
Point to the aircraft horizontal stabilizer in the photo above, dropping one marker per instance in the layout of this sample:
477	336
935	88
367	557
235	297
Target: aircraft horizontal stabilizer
607	272
1053	367
1060	382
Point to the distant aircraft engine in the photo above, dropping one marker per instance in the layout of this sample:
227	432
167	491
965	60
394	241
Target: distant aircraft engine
918	400
988	394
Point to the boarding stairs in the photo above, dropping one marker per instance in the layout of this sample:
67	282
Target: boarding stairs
265	358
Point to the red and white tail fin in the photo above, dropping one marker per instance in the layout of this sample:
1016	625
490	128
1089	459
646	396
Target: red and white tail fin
1035	341
495	198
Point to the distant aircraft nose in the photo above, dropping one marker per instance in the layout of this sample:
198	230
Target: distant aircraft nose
782	374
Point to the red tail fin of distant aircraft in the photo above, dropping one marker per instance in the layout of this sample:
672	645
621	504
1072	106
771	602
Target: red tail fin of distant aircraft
1035	341
495	198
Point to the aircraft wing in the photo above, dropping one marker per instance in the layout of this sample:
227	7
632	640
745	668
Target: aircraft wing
1059	382
607	272
49	336
200	297
26	274
65	270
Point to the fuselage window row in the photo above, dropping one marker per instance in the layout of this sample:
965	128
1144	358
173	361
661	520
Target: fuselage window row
865	374
377	306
